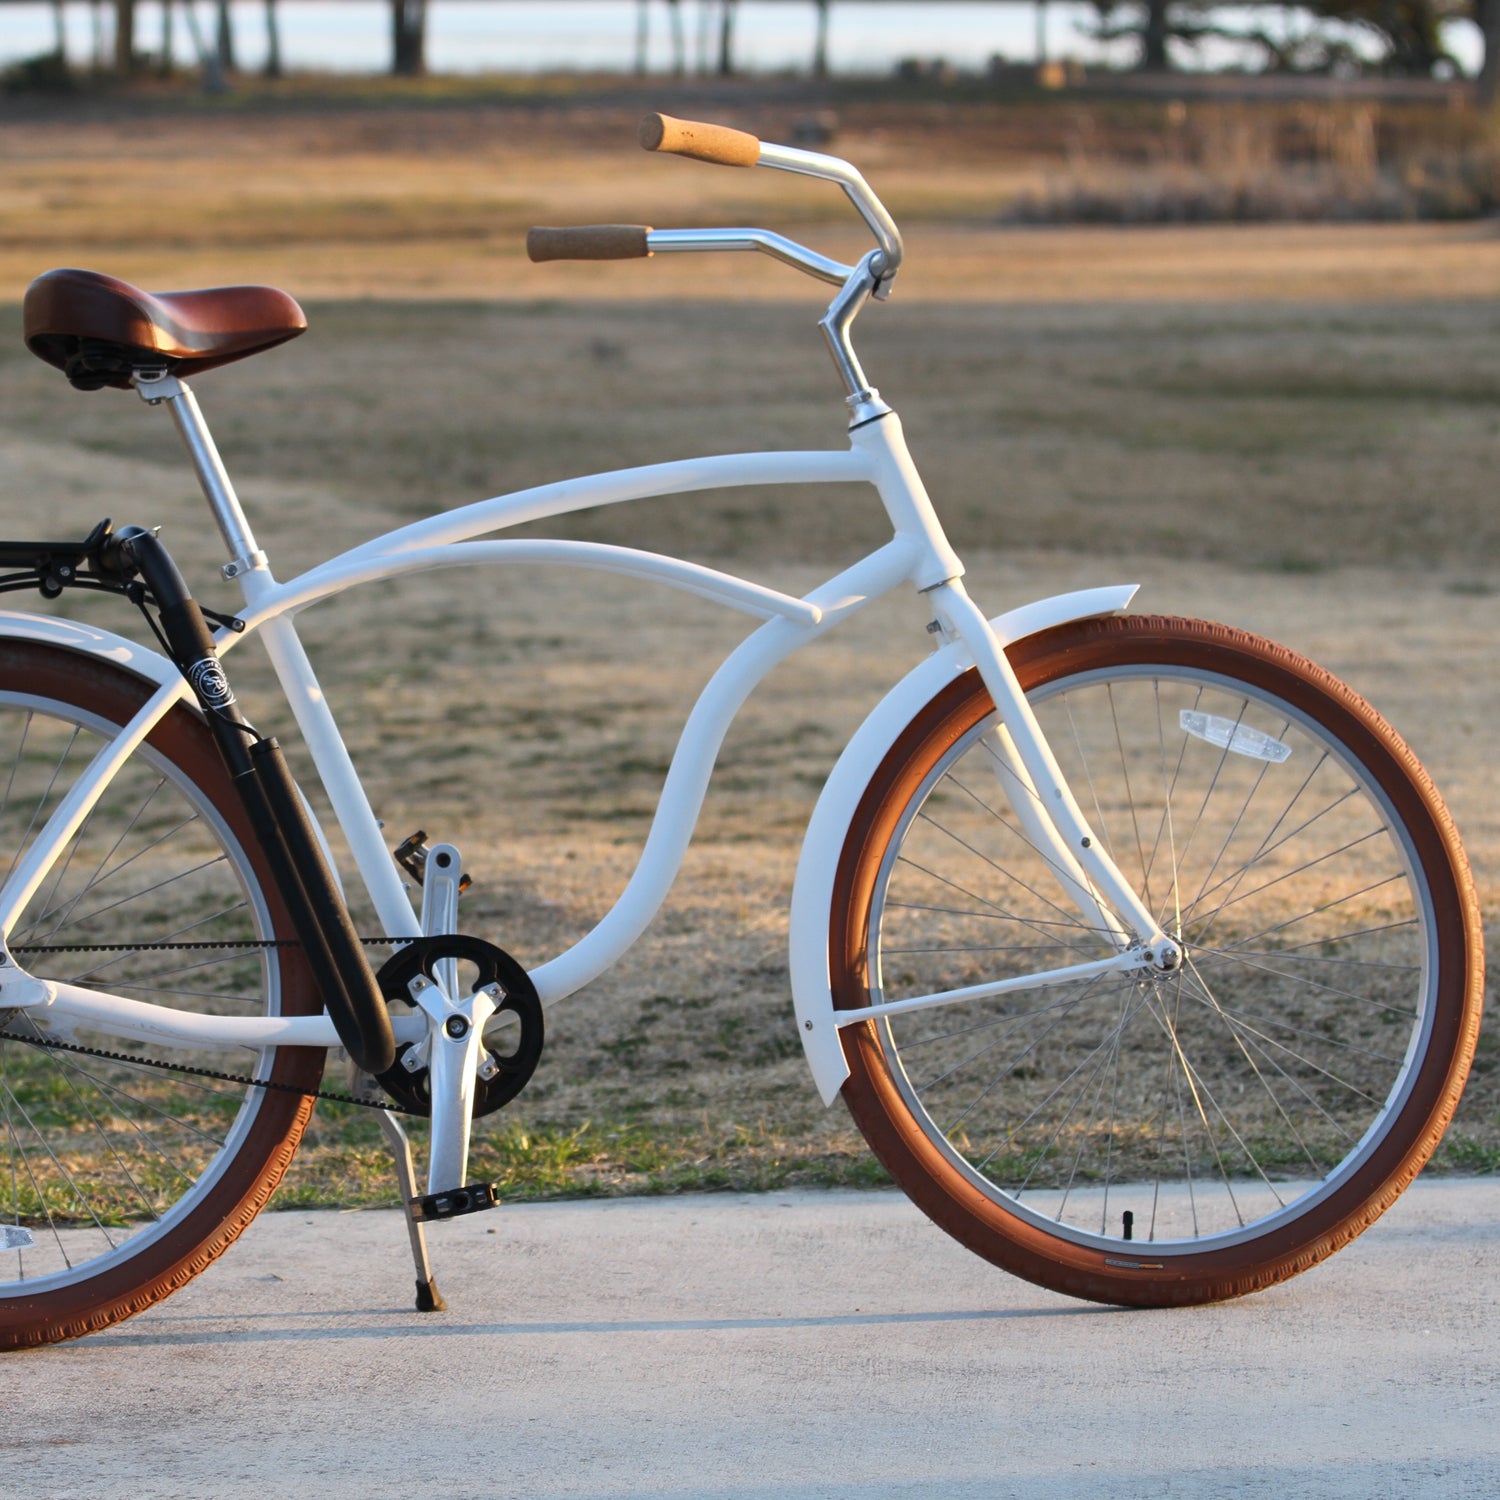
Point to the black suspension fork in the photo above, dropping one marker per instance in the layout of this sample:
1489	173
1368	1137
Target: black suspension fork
276	812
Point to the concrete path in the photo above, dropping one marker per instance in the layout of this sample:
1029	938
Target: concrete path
791	1346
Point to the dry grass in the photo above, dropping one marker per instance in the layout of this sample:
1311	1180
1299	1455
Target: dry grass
1292	429
1208	160
433	200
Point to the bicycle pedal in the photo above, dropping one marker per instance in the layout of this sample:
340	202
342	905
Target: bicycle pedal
411	855
434	1207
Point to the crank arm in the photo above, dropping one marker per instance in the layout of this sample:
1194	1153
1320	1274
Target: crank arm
456	1024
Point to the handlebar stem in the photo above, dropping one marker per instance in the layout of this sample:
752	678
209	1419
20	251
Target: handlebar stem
837	324
856	285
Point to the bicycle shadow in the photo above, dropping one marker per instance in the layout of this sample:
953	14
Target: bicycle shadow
405	1323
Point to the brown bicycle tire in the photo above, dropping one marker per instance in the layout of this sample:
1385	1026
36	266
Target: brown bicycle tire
906	1142
244	1183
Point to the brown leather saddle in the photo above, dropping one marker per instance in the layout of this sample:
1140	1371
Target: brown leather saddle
98	330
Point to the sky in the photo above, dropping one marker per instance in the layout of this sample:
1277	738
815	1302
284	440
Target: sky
538	35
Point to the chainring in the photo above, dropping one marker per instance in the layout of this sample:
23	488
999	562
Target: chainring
411	1089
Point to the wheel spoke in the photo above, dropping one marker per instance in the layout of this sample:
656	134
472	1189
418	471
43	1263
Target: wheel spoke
98	873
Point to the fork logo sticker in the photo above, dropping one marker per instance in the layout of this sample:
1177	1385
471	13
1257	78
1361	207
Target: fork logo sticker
209	683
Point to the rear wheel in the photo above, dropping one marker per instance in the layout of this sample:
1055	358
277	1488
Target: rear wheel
119	1182
1149	1138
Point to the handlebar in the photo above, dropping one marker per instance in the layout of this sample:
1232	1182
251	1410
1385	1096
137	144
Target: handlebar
714	143
724	146
589	242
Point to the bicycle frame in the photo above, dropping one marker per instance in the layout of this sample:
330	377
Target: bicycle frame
947	863
917	554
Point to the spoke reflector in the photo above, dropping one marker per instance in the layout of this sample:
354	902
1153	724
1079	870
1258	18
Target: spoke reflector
1228	735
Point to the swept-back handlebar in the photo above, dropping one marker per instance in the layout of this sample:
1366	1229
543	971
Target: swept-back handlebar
737	148
720	144
871	277
733	148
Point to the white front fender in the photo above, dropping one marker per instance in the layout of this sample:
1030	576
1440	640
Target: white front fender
812	894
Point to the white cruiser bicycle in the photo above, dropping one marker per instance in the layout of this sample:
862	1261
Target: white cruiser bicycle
1142	951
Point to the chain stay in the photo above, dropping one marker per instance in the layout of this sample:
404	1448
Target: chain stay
53	1044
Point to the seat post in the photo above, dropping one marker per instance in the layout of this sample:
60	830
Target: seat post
156	386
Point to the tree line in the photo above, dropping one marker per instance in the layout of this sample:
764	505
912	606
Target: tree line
1401	37
1405	37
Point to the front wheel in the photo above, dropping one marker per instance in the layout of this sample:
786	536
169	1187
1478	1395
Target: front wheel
1156	1139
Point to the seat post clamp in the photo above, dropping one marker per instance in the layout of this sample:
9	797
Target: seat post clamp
242	565
155	384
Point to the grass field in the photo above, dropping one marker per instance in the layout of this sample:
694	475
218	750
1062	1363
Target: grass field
1292	428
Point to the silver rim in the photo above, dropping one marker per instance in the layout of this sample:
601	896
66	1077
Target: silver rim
100	1159
1209	1106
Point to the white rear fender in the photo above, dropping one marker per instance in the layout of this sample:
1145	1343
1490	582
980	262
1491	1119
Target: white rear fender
69	635
89	640
812	895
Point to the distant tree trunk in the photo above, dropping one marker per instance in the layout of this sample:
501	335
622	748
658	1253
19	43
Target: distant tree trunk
1041	32
820	41
226	38
679	44
642	33
1154	38
165	59
726	37
705	21
1487	14
208	57
124	36
409	38
60	28
273	41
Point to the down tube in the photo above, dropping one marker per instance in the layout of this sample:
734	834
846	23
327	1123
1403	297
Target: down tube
693	761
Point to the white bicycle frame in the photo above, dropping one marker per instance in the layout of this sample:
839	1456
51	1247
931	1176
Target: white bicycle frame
917	554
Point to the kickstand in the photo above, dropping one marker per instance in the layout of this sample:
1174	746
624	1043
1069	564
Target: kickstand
429	1299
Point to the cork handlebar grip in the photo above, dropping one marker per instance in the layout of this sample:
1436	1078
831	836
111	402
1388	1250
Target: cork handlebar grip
589	242
715	143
